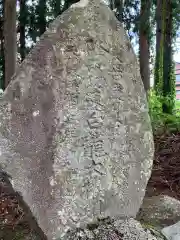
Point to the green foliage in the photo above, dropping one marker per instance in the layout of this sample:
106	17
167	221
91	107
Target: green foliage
172	85
164	76
177	108
158	77
155	109
163	122
168	99
176	17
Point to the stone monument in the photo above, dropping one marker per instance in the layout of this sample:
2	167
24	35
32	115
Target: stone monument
75	135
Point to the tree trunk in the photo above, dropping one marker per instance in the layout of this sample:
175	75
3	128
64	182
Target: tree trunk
144	53
2	62
22	24
167	56
57	7
111	4
10	45
42	16
2	84
159	38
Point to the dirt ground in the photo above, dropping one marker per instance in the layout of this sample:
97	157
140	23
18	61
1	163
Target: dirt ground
165	179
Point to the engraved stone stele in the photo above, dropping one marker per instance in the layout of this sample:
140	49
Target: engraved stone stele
75	134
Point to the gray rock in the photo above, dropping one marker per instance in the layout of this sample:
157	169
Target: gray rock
160	210
75	134
132	229
172	232
128	229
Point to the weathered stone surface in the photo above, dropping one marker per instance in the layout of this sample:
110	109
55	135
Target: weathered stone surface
75	133
172	232
160	210
128	229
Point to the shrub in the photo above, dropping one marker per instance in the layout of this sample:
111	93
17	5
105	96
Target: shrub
163	122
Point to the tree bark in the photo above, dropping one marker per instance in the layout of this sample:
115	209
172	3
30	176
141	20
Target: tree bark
159	34
42	16
2	83
144	53
167	55
22	24
57	7
2	86
10	44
